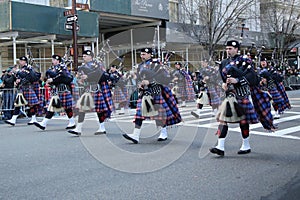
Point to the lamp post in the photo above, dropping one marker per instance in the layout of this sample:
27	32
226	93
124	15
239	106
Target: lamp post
75	53
242	33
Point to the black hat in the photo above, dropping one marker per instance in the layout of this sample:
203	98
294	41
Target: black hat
263	59
114	66
177	63
9	70
57	57
146	50
24	58
88	52
233	43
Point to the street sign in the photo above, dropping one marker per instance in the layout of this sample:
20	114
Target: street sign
82	6
72	18
68	12
70	26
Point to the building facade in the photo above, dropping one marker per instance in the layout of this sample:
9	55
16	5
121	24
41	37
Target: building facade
122	27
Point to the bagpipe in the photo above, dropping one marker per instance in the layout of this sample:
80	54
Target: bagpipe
36	75
158	75
116	78
270	84
230	110
66	60
242	88
60	75
27	76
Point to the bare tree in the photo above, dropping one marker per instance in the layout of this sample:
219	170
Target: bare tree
216	20
281	19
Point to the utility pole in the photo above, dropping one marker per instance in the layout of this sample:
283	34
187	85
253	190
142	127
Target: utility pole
75	36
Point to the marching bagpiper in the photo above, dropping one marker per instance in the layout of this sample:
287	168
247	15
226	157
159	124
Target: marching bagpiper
208	94
26	76
183	84
156	100
97	95
118	87
238	75
59	79
270	81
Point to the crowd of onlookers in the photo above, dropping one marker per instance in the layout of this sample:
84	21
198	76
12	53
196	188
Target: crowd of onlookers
292	71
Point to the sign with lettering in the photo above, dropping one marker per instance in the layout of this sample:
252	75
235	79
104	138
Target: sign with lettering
151	8
72	18
69	26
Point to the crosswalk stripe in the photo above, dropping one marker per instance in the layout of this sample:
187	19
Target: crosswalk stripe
275	134
284	119
207	121
287	130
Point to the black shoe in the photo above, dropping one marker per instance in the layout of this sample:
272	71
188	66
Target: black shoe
100	133
244	151
39	126
74	132
31	123
162	139
131	139
8	122
217	151
195	114
71	127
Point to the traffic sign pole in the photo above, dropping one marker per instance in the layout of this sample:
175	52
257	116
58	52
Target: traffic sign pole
75	36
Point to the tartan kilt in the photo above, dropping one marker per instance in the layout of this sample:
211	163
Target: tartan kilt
281	90
36	88
262	104
277	98
214	99
75	92
220	92
190	92
182	92
66	99
186	92
103	100
166	105
118	95
251	115
30	96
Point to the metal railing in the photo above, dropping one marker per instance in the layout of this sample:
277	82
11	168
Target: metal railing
7	99
292	82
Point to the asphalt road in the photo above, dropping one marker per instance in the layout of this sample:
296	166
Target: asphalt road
53	164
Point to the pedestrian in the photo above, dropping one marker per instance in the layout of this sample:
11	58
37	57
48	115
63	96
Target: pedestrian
26	76
59	80
156	101
132	89
8	89
94	78
238	75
